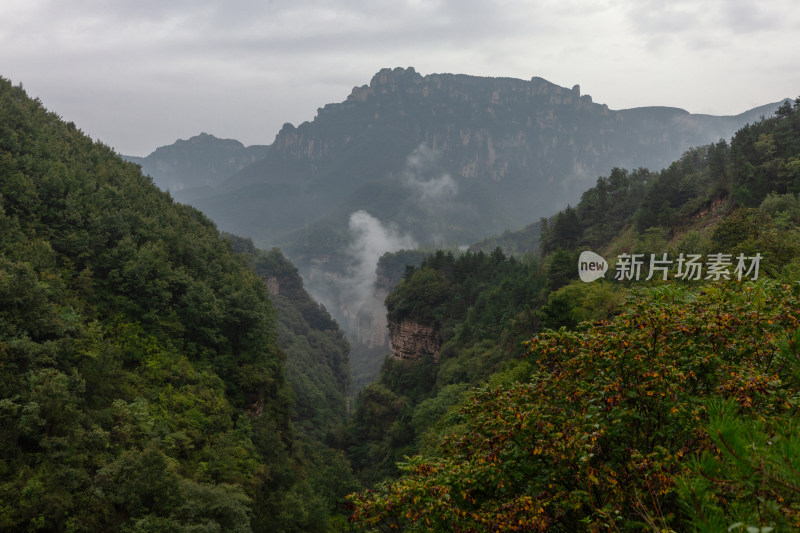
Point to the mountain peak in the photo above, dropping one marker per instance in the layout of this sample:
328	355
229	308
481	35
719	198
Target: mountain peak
388	76
203	139
529	144
199	161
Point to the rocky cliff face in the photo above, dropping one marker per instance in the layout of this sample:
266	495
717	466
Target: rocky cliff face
516	150
411	340
494	128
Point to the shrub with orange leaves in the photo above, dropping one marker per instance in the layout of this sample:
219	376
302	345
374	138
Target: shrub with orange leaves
610	423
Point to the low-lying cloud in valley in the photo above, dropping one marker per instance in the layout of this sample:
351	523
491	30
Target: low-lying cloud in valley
371	239
350	294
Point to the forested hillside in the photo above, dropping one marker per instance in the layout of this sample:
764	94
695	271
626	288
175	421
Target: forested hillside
469	301
316	350
318	372
634	405
678	415
158	376
141	383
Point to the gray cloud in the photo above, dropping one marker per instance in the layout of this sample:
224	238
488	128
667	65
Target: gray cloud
139	74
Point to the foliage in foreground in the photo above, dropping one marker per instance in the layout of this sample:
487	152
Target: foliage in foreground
619	427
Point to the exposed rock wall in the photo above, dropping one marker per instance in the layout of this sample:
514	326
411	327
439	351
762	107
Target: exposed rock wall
411	340
273	285
517	150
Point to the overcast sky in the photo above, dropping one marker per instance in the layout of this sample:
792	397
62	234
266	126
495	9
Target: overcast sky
138	74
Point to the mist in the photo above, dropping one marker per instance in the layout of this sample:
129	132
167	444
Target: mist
370	240
423	176
351	296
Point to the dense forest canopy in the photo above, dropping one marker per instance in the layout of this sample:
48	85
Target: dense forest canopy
679	414
142	385
316	350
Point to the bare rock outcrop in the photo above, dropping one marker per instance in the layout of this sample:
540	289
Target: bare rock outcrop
412	341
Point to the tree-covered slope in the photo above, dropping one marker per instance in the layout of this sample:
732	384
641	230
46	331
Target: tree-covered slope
479	308
679	414
316	351
762	158
629	423
318	373
141	384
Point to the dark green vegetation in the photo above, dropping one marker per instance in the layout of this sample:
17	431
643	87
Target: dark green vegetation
317	370
470	300
661	406
482	306
679	414
141	382
315	348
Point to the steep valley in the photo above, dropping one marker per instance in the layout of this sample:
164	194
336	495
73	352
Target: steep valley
441	160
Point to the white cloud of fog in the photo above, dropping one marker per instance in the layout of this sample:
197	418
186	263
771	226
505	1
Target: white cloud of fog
352	298
422	176
435	188
370	240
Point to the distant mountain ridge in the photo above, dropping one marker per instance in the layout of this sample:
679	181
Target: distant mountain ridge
530	146
188	168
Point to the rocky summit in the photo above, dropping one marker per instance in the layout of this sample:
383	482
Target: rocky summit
490	153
